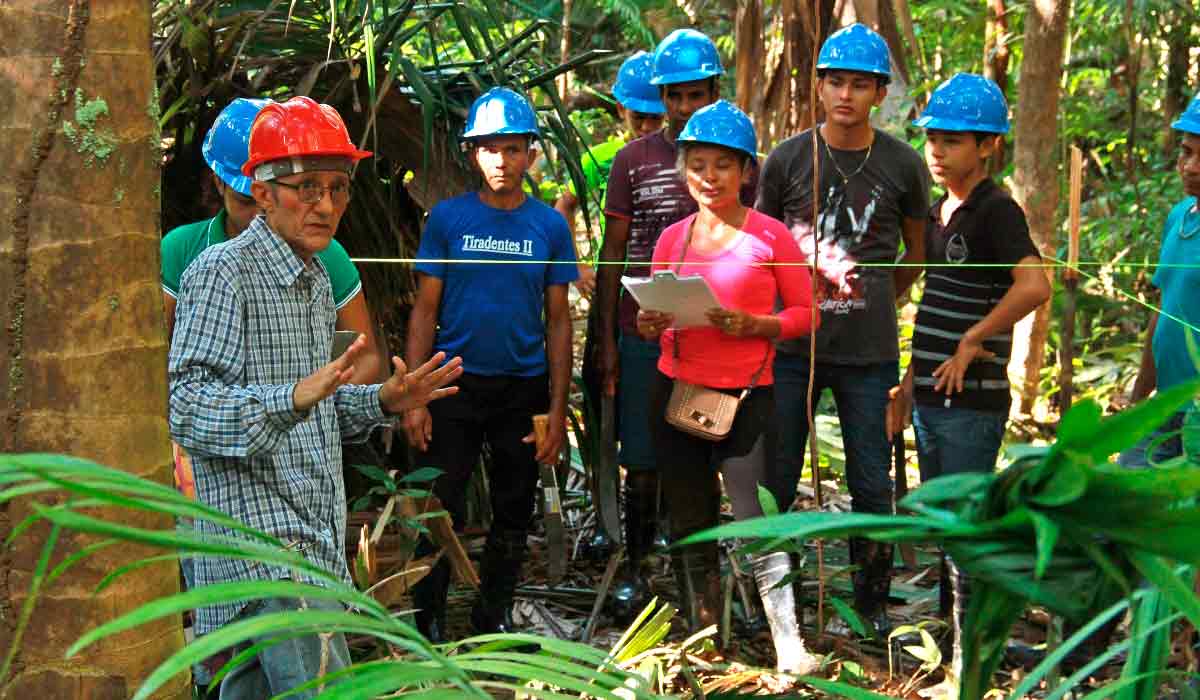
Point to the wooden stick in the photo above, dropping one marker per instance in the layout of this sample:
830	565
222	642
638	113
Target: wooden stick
1076	199
1066	353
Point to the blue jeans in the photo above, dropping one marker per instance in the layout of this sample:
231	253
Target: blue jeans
861	395
956	440
288	664
639	370
1159	446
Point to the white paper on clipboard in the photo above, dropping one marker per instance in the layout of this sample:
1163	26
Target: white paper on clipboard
687	297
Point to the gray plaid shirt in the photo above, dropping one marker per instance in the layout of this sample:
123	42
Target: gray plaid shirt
252	320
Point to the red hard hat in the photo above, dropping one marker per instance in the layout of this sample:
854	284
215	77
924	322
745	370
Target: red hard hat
296	128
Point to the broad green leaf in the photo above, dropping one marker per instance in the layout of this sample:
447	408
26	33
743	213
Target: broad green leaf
850	615
766	501
1047	537
1169	583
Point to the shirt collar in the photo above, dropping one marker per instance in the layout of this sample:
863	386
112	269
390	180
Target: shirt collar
982	191
216	228
280	259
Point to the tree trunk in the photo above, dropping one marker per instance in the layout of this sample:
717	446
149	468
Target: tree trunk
564	52
787	96
748	33
1179	66
1036	157
995	65
83	353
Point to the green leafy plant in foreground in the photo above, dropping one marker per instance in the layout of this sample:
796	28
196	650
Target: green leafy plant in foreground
1062	528
411	668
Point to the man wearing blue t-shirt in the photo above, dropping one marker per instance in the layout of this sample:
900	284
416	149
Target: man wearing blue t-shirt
493	268
1166	358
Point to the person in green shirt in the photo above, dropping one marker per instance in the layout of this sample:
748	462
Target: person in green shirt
642	112
225	149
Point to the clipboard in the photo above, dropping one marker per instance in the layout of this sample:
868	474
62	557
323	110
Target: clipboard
687	297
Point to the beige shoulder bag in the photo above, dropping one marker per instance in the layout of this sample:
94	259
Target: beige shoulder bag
699	410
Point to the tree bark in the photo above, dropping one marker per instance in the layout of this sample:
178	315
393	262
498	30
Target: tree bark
748	33
1179	66
787	97
1036	157
564	53
83	352
995	65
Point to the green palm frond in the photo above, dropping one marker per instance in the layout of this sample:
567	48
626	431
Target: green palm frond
1062	527
95	500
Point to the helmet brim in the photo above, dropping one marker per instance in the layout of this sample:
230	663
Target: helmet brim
1189	126
689	76
944	124
855	67
502	131
235	179
637	104
354	155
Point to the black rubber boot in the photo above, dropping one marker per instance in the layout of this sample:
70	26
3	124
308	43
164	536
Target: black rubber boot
500	568
630	594
779	605
872	582
698	575
429	597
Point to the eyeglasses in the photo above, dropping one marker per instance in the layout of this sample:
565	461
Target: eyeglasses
643	116
311	192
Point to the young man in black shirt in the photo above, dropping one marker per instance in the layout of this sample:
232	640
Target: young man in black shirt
872	191
985	274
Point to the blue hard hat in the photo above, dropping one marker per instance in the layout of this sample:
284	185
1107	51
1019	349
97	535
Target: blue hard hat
1190	120
722	124
857	48
501	112
227	143
966	102
633	88
685	55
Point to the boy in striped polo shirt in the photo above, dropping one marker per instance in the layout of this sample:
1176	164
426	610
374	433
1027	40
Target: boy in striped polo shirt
984	275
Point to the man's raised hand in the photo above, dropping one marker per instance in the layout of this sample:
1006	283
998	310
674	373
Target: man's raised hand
405	390
321	384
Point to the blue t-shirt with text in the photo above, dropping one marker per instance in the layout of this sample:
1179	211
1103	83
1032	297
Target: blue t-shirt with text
1180	288
495	266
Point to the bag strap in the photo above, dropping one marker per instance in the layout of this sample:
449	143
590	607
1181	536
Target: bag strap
687	243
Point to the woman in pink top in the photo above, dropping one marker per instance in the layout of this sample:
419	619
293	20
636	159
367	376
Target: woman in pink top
749	260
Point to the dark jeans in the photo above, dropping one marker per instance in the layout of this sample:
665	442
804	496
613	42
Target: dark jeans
861	395
689	466
639	366
498	411
956	440
288	664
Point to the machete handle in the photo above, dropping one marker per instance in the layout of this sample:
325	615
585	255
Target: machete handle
541	428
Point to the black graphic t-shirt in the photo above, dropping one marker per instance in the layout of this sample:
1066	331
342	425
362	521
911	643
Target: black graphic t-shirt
988	229
859	222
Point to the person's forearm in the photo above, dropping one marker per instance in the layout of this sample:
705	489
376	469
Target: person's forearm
1015	305
419	345
1147	377
907	271
608	288
767	326
558	356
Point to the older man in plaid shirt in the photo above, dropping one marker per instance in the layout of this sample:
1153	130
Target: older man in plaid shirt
254	399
